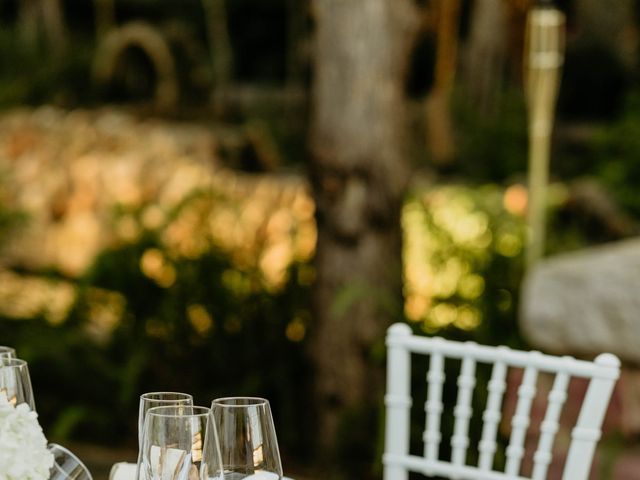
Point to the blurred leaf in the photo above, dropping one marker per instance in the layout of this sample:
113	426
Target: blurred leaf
361	291
68	419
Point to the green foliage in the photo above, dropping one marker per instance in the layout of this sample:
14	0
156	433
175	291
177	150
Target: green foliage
463	256
362	291
617	149
355	444
37	76
492	145
594	82
10	218
201	335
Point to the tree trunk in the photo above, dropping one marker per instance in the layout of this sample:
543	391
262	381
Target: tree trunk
611	24
37	17
220	48
440	135
297	12
105	17
54	25
28	23
359	174
486	53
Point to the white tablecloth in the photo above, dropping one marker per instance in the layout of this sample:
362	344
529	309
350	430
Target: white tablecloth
127	471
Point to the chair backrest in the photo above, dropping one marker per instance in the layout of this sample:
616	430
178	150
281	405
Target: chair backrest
398	461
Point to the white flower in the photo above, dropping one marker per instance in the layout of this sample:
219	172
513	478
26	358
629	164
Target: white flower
23	446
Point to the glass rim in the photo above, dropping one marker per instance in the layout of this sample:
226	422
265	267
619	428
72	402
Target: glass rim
67	452
157	411
5	348
249	402
12	362
149	396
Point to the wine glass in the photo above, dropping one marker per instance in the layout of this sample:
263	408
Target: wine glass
7	352
66	465
159	399
15	382
247	435
211	467
172	443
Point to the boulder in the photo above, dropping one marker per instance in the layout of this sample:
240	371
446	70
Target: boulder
586	302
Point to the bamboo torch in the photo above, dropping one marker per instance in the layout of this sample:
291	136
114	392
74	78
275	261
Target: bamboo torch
543	59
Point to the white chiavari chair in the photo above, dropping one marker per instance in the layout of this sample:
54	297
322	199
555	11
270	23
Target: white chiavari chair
398	462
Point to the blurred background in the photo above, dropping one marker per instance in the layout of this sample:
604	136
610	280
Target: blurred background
237	197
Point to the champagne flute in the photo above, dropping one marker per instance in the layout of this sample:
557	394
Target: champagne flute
7	352
248	443
66	465
172	443
15	382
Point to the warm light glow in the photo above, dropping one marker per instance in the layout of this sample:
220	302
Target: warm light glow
443	314
415	307
199	318
471	286
104	311
508	244
158	268
153	217
468	318
258	456
197	448
448	240
515	200
27	296
296	330
122	180
274	263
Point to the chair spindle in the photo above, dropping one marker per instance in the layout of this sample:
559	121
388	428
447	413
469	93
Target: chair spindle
433	406
463	411
520	420
549	426
492	414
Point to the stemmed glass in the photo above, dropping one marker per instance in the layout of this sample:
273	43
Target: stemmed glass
159	399
247	439
66	465
15	382
7	352
172	443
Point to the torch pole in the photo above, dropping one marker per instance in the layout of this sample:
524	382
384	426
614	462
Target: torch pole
544	55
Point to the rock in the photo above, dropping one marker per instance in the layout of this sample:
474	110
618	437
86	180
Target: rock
585	303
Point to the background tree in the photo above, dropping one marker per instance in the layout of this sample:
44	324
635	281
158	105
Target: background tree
612	25
440	135
220	48
44	17
104	16
486	53
359	172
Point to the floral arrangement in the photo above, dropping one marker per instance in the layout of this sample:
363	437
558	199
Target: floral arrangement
23	446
